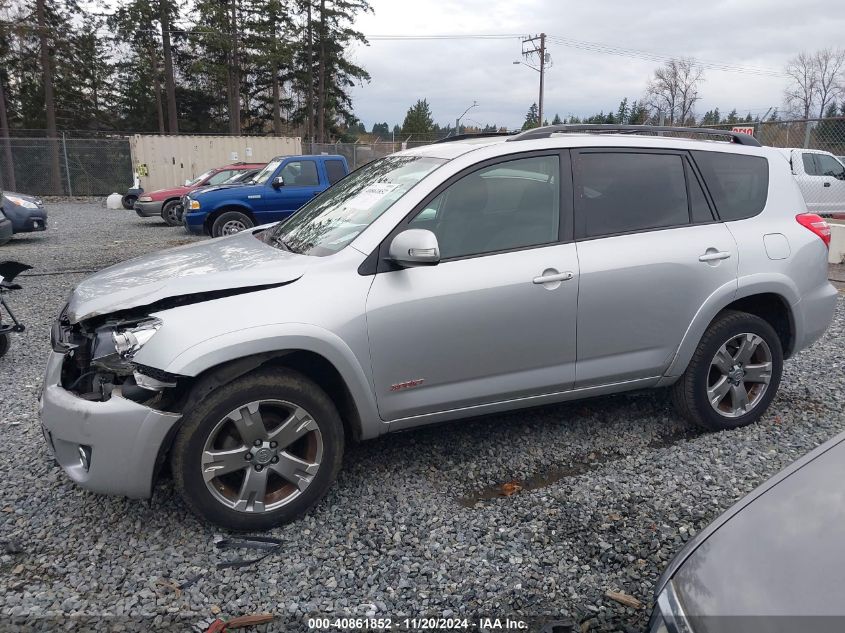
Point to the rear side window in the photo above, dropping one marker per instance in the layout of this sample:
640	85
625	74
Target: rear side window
621	192
334	170
738	184
300	173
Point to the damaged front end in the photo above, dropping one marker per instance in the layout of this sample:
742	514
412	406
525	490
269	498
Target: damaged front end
99	357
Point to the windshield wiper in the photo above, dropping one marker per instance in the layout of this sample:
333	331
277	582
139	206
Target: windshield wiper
278	240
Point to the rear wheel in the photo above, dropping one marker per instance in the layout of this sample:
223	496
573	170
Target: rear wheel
229	223
733	375
258	451
170	213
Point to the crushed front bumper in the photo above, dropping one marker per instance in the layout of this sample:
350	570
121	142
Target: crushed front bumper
108	447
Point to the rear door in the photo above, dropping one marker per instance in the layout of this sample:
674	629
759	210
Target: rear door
650	253
833	185
816	187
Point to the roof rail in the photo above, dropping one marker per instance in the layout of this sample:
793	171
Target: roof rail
461	137
547	130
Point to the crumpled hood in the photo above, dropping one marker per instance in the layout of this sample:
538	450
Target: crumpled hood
779	555
239	261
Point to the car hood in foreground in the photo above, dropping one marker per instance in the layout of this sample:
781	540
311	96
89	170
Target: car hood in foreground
778	552
238	262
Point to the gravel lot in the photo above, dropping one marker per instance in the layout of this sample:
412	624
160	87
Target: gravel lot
612	488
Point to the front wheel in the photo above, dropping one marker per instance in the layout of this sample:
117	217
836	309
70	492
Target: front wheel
733	375
229	223
5	341
259	451
171	213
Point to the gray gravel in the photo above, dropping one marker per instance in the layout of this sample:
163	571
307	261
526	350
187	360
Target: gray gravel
613	487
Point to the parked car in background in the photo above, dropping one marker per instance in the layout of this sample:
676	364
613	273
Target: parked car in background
241	178
821	178
5	227
283	186
772	562
26	212
442	282
165	202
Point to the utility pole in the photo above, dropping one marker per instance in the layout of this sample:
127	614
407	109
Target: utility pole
531	46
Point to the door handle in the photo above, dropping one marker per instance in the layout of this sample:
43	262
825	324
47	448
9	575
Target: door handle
550	279
713	255
827	184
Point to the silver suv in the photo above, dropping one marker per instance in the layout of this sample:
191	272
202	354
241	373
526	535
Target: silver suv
453	280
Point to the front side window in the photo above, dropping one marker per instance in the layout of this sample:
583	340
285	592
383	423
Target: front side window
515	204
829	166
811	168
329	222
300	173
620	192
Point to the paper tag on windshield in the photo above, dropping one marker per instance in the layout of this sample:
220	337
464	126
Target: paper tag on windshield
370	195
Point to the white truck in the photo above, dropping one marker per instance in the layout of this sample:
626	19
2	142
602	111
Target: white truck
821	178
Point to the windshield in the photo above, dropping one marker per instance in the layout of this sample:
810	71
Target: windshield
264	175
201	177
328	223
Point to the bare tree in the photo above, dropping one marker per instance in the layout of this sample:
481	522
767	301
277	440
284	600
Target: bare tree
830	76
800	94
674	89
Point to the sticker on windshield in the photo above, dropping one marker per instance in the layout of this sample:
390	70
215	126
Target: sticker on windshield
370	195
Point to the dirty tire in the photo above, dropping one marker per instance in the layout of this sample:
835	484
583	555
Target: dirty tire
5	342
229	223
128	201
689	393
170	213
203	416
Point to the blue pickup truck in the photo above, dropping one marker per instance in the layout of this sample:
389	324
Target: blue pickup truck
284	185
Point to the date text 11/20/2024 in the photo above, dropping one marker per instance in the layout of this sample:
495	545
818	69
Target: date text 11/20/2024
418	624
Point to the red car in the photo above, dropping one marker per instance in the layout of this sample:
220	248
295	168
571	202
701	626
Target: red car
166	202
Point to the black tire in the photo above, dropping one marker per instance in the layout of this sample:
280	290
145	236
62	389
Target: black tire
128	201
204	415
5	342
227	221
170	213
689	393
180	213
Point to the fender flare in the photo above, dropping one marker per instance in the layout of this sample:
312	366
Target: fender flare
763	283
279	338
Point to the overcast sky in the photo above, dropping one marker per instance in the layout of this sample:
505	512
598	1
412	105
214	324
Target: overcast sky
451	74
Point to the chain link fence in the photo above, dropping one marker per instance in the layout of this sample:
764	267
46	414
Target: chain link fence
357	154
65	166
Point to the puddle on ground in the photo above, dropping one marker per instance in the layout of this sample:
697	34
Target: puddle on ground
540	480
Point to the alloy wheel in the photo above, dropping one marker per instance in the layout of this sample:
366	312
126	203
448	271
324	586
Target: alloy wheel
739	375
232	226
262	455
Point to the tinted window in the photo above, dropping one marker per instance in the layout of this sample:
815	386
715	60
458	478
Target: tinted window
300	173
622	192
508	205
829	166
738	185
698	207
810	167
335	171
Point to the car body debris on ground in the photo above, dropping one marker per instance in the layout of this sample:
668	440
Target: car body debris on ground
569	511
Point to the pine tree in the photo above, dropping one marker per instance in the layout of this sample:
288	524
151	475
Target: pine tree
556	120
418	121
532	117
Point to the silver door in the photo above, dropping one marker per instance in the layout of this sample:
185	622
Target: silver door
642	282
495	320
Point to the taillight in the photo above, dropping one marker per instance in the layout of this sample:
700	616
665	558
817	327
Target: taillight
816	224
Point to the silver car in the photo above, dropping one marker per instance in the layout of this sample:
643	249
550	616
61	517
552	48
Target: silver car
447	281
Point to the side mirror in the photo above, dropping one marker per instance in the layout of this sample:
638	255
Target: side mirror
278	181
414	247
